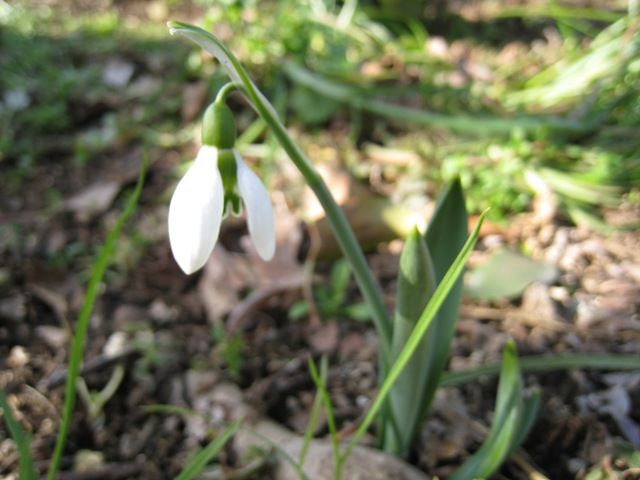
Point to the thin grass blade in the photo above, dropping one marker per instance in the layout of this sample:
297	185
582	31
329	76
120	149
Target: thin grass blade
82	326
546	364
462	123
204	456
528	417
320	381
505	427
580	190
314	417
26	468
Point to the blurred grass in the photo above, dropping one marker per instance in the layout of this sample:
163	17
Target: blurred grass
431	72
56	104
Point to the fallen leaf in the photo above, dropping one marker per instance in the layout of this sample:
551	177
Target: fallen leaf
323	339
94	199
227	275
373	218
506	274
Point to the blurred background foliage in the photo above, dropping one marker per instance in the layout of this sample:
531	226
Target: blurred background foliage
409	94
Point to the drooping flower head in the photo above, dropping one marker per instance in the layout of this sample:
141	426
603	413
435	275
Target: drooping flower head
217	183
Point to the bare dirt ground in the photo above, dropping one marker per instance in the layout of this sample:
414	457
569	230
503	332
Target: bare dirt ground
159	328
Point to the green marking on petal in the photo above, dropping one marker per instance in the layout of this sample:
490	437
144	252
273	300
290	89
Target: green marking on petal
232	204
227	168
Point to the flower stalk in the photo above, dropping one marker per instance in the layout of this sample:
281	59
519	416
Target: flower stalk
368	285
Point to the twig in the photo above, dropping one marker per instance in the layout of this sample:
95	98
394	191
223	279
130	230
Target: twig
58	377
110	471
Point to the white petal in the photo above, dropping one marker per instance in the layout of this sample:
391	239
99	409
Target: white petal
259	210
195	212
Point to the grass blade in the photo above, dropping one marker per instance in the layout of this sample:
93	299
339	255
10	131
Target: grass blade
316	409
476	125
528	417
505	427
26	468
319	379
204	456
82	326
559	12
548	363
580	190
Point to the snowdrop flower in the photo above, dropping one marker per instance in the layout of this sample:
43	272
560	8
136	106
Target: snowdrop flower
219	181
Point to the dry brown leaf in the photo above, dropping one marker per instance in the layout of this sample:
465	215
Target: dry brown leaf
94	199
227	275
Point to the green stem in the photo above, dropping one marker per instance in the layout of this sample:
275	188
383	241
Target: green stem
344	234
547	363
224	91
320	381
82	326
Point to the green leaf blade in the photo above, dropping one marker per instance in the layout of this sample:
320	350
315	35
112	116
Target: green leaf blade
26	468
421	327
445	237
82	325
204	456
416	284
506	274
512	420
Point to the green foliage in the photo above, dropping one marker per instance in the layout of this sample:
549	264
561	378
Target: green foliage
494	179
416	283
506	274
82	326
423	264
445	237
324	36
26	468
512	420
413	341
199	461
579	109
230	348
331	299
53	87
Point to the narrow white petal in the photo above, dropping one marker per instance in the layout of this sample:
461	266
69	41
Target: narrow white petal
259	210
195	212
